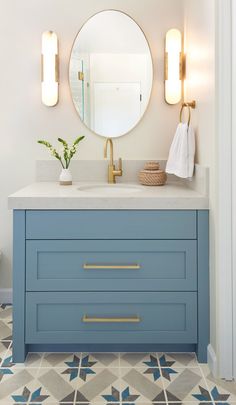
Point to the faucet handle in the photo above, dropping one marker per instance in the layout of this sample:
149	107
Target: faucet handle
120	165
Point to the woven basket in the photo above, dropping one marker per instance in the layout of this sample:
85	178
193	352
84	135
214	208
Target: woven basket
152	177
152	166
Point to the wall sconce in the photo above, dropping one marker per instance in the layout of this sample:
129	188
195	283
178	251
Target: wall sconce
174	67
50	69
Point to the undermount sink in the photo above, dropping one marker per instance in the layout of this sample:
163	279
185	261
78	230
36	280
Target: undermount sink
111	189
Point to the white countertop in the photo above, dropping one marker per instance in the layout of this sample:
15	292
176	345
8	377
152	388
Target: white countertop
50	195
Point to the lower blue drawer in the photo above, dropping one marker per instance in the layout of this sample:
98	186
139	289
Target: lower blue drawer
129	317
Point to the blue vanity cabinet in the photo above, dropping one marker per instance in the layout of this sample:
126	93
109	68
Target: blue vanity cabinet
110	280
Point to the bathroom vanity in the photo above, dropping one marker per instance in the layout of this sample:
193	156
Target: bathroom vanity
111	278
117	267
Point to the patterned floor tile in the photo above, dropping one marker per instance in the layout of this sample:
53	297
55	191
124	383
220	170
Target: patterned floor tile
15	384
221	390
5	322
63	385
101	403
57	385
51	403
122	403
6	313
5	331
185	385
40	400
191	403
137	359
60	359
178	360
100	359
48	403
36	403
4	346
100	386
82	373
33	360
140	386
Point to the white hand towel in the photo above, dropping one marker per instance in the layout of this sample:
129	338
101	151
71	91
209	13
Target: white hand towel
181	155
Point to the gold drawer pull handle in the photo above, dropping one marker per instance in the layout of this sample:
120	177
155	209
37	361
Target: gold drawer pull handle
111	266
94	319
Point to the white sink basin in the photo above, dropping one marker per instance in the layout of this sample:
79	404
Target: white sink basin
111	189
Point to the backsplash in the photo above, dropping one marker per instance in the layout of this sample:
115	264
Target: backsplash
96	171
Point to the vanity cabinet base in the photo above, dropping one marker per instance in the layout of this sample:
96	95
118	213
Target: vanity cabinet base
111	348
152	295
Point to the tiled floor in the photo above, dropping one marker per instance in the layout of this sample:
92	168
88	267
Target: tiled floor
106	378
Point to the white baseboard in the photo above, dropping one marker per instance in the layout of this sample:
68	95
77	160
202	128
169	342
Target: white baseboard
212	360
5	295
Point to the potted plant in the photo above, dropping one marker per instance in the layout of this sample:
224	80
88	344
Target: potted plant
64	158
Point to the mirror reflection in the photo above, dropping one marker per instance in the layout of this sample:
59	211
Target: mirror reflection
110	73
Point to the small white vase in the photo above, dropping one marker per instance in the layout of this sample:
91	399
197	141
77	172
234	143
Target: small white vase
65	177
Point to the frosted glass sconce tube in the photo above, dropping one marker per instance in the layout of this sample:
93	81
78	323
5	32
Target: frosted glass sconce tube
174	67
50	73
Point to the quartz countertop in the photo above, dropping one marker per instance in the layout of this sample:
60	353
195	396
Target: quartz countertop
50	195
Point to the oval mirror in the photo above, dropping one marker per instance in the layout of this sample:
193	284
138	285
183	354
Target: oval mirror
110	73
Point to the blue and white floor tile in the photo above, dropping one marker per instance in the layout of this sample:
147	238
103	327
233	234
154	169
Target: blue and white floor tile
33	360
106	378
3	350
14	384
137	359
101	360
221	391
179	360
5	322
61	359
101	386
186	384
141	385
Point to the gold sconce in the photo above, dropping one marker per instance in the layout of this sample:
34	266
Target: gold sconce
50	68
174	67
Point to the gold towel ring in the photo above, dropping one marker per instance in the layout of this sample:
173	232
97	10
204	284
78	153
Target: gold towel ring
190	105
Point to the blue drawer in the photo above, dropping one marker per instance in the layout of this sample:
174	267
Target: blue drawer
53	317
77	265
165	224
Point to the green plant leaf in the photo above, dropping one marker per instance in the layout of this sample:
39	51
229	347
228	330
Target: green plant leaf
47	144
64	143
78	140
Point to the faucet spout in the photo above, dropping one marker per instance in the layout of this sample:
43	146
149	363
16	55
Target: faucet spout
112	171
109	141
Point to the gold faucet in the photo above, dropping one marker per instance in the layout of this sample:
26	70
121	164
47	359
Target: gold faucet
112	171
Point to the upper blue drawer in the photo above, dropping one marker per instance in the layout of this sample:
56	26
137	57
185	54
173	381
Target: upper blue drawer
111	265
111	224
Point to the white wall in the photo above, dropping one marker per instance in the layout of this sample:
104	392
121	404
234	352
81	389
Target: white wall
200	85
23	119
